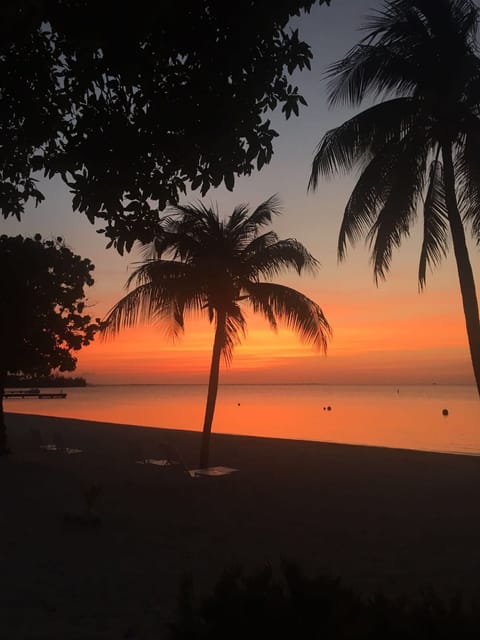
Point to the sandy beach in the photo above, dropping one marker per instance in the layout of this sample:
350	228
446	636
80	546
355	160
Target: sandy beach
397	520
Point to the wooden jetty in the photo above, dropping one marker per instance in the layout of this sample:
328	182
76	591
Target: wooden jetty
34	393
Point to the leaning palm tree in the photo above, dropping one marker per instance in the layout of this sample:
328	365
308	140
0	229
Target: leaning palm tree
200	263
419	140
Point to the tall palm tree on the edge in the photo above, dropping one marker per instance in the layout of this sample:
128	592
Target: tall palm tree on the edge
200	263
421	141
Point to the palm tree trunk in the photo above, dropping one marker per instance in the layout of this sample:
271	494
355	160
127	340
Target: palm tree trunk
212	388
464	268
4	450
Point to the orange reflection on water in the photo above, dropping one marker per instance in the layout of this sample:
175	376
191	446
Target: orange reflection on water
407	417
411	418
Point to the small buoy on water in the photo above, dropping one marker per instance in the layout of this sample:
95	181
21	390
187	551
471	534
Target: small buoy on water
238	404
445	412
329	408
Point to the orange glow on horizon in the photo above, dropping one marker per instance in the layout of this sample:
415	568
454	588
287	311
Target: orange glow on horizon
378	342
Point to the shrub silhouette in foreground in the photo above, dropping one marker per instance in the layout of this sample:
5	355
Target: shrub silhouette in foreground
292	605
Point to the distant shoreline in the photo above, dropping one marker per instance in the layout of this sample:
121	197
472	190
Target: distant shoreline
394	385
53	382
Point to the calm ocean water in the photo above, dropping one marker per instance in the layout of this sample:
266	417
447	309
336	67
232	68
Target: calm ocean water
407	417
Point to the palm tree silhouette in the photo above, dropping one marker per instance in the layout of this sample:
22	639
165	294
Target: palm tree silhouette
420	142
200	263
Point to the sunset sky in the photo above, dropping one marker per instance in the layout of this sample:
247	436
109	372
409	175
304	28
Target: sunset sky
386	334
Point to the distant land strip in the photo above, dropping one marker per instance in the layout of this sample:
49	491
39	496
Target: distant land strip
19	382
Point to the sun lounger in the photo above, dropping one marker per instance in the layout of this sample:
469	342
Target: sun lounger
211	472
56	445
138	455
38	443
60	446
171	457
160	462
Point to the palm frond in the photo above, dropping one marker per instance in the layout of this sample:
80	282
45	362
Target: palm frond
356	140
143	304
296	311
273	259
187	235
410	45
435	224
237	219
395	22
263	214
235	330
467	166
367	198
368	70
160	271
161	244
164	291
406	184
193	222
258	244
185	214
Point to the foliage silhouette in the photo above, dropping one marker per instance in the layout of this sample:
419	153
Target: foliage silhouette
420	142
131	104
22	382
42	285
202	264
288	604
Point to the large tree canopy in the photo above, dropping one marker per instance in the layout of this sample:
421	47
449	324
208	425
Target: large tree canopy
131	103
42	288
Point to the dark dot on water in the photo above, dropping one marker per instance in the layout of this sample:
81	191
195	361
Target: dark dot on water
329	408
238	404
445	412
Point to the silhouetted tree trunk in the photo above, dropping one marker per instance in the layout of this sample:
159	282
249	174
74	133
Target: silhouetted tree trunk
464	268
3	428
212	388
